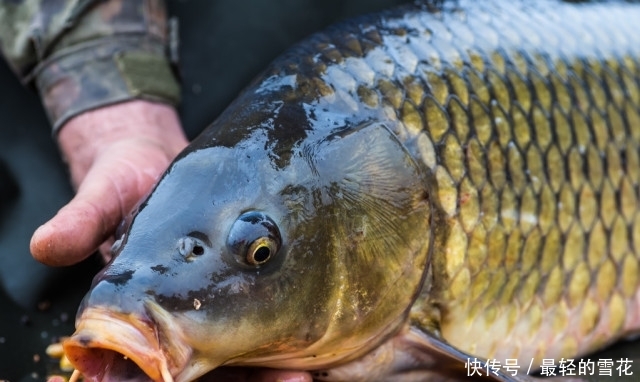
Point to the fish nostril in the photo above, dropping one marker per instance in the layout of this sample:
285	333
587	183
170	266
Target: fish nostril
198	250
188	246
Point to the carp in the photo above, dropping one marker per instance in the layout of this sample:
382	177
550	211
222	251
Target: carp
394	196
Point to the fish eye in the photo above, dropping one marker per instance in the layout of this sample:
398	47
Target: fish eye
254	238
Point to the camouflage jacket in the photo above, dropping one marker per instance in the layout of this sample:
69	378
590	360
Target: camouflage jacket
83	54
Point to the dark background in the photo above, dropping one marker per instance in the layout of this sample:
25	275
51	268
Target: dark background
224	44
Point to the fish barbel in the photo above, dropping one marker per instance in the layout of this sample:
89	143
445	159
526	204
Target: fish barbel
392	196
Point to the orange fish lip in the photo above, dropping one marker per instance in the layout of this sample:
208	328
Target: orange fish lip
107	344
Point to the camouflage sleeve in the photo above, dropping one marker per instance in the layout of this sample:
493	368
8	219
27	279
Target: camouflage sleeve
83	54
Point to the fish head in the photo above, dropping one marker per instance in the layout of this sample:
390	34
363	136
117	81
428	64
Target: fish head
252	254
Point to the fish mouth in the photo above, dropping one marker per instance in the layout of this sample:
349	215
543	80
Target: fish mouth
110	346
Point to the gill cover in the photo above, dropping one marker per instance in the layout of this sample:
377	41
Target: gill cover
371	199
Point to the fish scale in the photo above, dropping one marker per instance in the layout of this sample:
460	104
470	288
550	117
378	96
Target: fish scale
456	178
531	138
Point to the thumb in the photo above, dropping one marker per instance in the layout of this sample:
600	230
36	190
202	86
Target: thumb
77	230
112	187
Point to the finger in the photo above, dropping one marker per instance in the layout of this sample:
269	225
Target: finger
72	234
105	249
111	188
243	374
274	375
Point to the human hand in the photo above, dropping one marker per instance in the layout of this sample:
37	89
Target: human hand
115	155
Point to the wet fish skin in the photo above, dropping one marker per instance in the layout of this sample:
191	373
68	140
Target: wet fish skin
468	173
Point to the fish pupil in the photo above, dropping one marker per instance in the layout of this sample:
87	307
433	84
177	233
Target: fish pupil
261	254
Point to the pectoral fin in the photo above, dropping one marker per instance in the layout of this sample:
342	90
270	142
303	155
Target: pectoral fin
415	355
456	365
